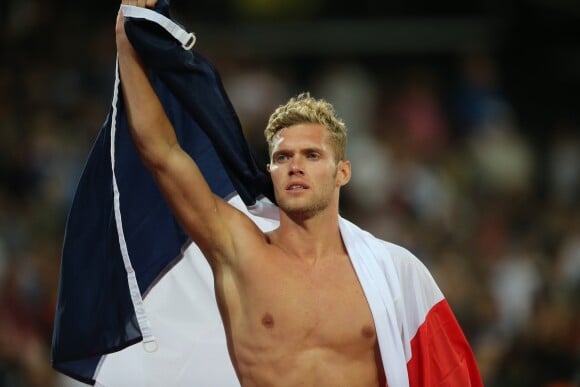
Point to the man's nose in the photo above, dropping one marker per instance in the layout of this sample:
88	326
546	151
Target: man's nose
296	167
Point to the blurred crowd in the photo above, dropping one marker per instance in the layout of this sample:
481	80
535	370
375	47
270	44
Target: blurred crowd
444	163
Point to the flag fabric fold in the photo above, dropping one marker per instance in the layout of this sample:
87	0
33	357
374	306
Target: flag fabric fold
129	273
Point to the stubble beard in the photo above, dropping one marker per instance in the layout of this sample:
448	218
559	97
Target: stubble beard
309	210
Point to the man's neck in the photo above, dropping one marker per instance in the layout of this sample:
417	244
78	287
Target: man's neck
311	238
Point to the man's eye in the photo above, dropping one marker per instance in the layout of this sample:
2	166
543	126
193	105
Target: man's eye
313	156
281	158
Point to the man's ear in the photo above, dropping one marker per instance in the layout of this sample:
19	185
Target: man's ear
343	171
268	167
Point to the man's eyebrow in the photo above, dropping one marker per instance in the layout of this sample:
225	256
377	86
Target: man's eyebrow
312	149
282	151
303	150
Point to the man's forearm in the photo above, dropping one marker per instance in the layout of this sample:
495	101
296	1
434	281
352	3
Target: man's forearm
150	128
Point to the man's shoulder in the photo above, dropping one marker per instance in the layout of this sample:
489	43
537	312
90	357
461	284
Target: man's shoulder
397	250
402	257
411	273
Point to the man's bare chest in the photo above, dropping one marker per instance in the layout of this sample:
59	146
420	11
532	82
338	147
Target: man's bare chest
308	306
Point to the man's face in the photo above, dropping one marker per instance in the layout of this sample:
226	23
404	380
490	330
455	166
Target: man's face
305	174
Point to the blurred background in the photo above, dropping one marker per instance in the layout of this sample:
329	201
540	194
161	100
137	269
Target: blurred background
464	121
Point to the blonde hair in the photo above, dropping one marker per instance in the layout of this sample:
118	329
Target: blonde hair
304	109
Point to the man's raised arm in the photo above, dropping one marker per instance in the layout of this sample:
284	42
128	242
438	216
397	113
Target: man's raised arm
151	130
200	212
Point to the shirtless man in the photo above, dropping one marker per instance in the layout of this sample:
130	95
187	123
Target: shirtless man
293	309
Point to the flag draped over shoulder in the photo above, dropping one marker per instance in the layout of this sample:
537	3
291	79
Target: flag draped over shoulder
120	223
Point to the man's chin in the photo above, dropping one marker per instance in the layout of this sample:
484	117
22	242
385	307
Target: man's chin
300	212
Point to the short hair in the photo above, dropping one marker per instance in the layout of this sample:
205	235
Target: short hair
304	109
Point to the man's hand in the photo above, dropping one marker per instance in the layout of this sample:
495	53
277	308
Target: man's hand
140	3
122	42
120	28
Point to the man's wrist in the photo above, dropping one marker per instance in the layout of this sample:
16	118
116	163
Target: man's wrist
124	46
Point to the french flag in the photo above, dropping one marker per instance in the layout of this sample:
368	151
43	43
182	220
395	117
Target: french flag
136	304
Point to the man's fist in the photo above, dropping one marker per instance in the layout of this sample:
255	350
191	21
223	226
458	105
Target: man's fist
140	3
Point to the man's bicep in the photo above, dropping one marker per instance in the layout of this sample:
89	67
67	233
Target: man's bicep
201	213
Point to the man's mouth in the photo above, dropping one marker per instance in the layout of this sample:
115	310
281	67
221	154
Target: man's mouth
296	187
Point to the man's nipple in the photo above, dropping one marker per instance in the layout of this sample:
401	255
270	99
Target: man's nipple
268	321
368	332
